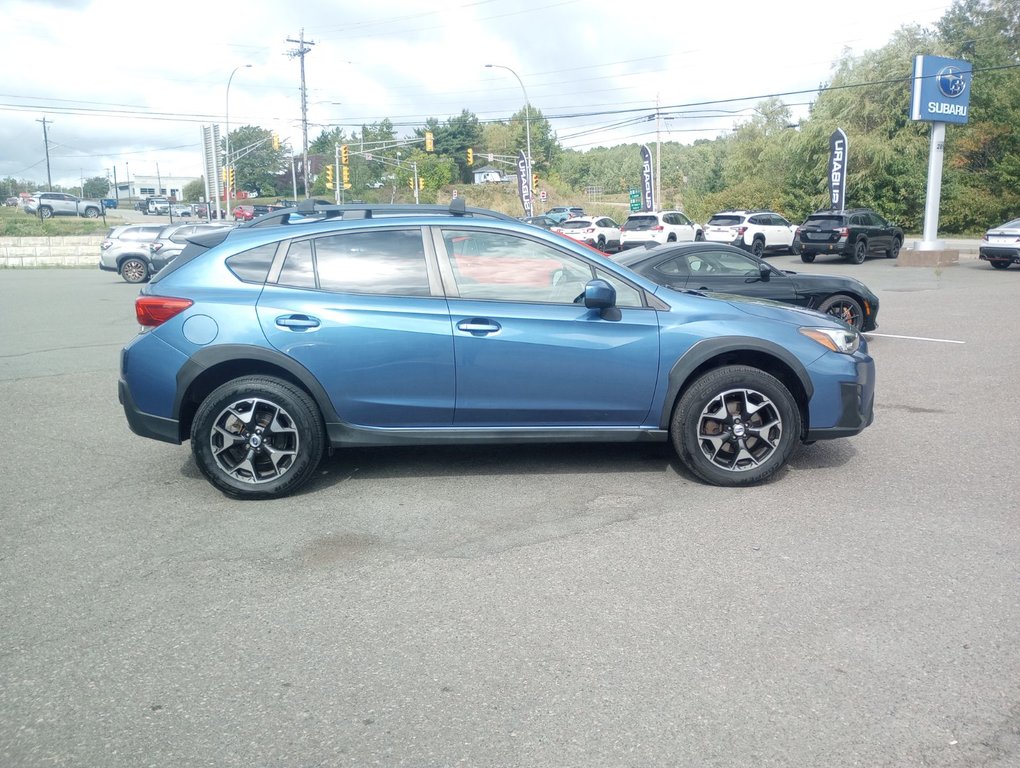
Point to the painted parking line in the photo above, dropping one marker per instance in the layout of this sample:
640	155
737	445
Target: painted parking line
915	338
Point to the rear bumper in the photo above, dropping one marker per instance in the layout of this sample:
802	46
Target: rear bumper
145	424
999	253
806	246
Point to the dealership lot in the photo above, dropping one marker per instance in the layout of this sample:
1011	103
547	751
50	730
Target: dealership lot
517	606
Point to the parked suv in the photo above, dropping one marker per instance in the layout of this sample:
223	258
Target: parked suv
852	234
268	344
173	238
125	250
759	232
48	204
649	228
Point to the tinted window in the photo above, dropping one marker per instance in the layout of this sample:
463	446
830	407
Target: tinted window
674	266
388	262
252	265
635	223
575	224
499	267
298	269
824	222
681	219
725	221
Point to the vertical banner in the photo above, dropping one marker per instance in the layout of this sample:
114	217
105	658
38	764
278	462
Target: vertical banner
524	182
647	180
837	170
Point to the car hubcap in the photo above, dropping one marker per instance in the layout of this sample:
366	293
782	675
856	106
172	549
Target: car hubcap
254	441
739	430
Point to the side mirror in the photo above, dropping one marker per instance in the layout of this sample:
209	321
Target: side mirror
599	294
765	272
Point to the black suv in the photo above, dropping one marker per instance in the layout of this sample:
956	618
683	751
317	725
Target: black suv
852	234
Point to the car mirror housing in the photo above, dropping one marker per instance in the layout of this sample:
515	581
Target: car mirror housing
765	272
599	294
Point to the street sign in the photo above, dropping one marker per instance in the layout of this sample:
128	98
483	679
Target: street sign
542	196
635	199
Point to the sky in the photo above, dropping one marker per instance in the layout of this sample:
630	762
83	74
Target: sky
129	85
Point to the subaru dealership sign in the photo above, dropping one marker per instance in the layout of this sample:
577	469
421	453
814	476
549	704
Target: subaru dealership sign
941	90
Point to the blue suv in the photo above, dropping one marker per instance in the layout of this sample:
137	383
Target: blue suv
329	326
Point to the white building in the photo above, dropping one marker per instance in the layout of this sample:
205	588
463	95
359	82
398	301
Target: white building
141	186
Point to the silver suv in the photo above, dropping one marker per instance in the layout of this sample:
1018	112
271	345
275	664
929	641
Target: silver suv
756	231
125	250
172	239
48	204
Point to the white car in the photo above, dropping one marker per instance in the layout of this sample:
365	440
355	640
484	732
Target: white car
597	231
653	227
1000	246
759	232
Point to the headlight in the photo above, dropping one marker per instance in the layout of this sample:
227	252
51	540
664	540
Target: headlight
835	339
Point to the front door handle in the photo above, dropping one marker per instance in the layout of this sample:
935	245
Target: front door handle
478	327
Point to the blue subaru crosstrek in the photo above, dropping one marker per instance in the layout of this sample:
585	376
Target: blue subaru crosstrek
327	326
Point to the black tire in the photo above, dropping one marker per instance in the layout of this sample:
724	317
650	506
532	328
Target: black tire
46	212
601	244
699	236
807	258
134	270
1000	264
795	248
860	252
758	247
671	238
271	459
894	252
846	308
744	447
91	213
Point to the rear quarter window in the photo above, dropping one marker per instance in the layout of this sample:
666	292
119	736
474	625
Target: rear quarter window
251	266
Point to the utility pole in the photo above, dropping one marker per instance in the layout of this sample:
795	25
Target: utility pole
46	143
300	52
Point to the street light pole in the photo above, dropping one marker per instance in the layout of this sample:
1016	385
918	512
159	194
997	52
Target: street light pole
527	125
226	158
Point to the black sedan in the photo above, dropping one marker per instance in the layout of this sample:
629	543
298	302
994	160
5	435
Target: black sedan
545	222
722	268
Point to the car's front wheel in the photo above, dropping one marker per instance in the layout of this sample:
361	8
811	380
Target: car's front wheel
735	426
894	252
257	437
134	270
758	247
846	308
91	213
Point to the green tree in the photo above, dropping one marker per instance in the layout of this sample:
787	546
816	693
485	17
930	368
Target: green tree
194	191
257	166
96	188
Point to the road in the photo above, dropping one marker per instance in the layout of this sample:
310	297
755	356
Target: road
516	606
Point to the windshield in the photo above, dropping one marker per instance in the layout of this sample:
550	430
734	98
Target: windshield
725	221
824	222
640	222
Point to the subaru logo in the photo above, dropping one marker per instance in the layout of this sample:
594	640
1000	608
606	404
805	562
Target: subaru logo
950	81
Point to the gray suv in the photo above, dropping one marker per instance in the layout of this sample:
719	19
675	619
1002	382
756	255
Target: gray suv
125	250
48	204
172	239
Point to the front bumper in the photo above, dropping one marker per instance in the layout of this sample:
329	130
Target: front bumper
856	405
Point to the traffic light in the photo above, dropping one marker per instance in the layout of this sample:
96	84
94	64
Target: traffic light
276	142
421	183
329	176
410	182
223	175
534	180
471	156
232	178
346	177
429	144
345	154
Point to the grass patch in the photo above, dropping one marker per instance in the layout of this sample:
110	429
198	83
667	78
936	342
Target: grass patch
14	222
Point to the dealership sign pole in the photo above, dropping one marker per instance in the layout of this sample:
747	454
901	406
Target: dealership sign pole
837	170
940	94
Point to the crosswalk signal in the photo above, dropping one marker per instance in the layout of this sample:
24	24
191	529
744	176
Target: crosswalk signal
429	143
329	177
346	177
345	154
471	156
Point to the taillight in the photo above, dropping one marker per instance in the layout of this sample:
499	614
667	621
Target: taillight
589	230
153	311
154	247
658	228
105	244
844	232
741	231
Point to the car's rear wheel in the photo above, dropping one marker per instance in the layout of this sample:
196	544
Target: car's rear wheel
601	244
735	426
699	236
807	258
860	252
758	247
671	238
91	213
1000	264
45	212
846	308
134	270
894	252
257	437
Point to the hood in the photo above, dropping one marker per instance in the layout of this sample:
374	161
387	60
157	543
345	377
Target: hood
776	310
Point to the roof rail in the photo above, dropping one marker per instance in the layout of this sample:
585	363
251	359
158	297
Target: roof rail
322	210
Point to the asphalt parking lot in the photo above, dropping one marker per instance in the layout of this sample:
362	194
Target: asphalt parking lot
518	606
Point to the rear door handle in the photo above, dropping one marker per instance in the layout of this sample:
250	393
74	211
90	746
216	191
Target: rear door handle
297	322
478	327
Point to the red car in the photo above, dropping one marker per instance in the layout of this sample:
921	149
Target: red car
249	212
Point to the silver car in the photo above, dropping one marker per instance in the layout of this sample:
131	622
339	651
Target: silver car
125	250
1000	246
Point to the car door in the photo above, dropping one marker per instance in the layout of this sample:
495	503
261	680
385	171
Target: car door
363	311
732	271
881	232
686	230
782	232
528	354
